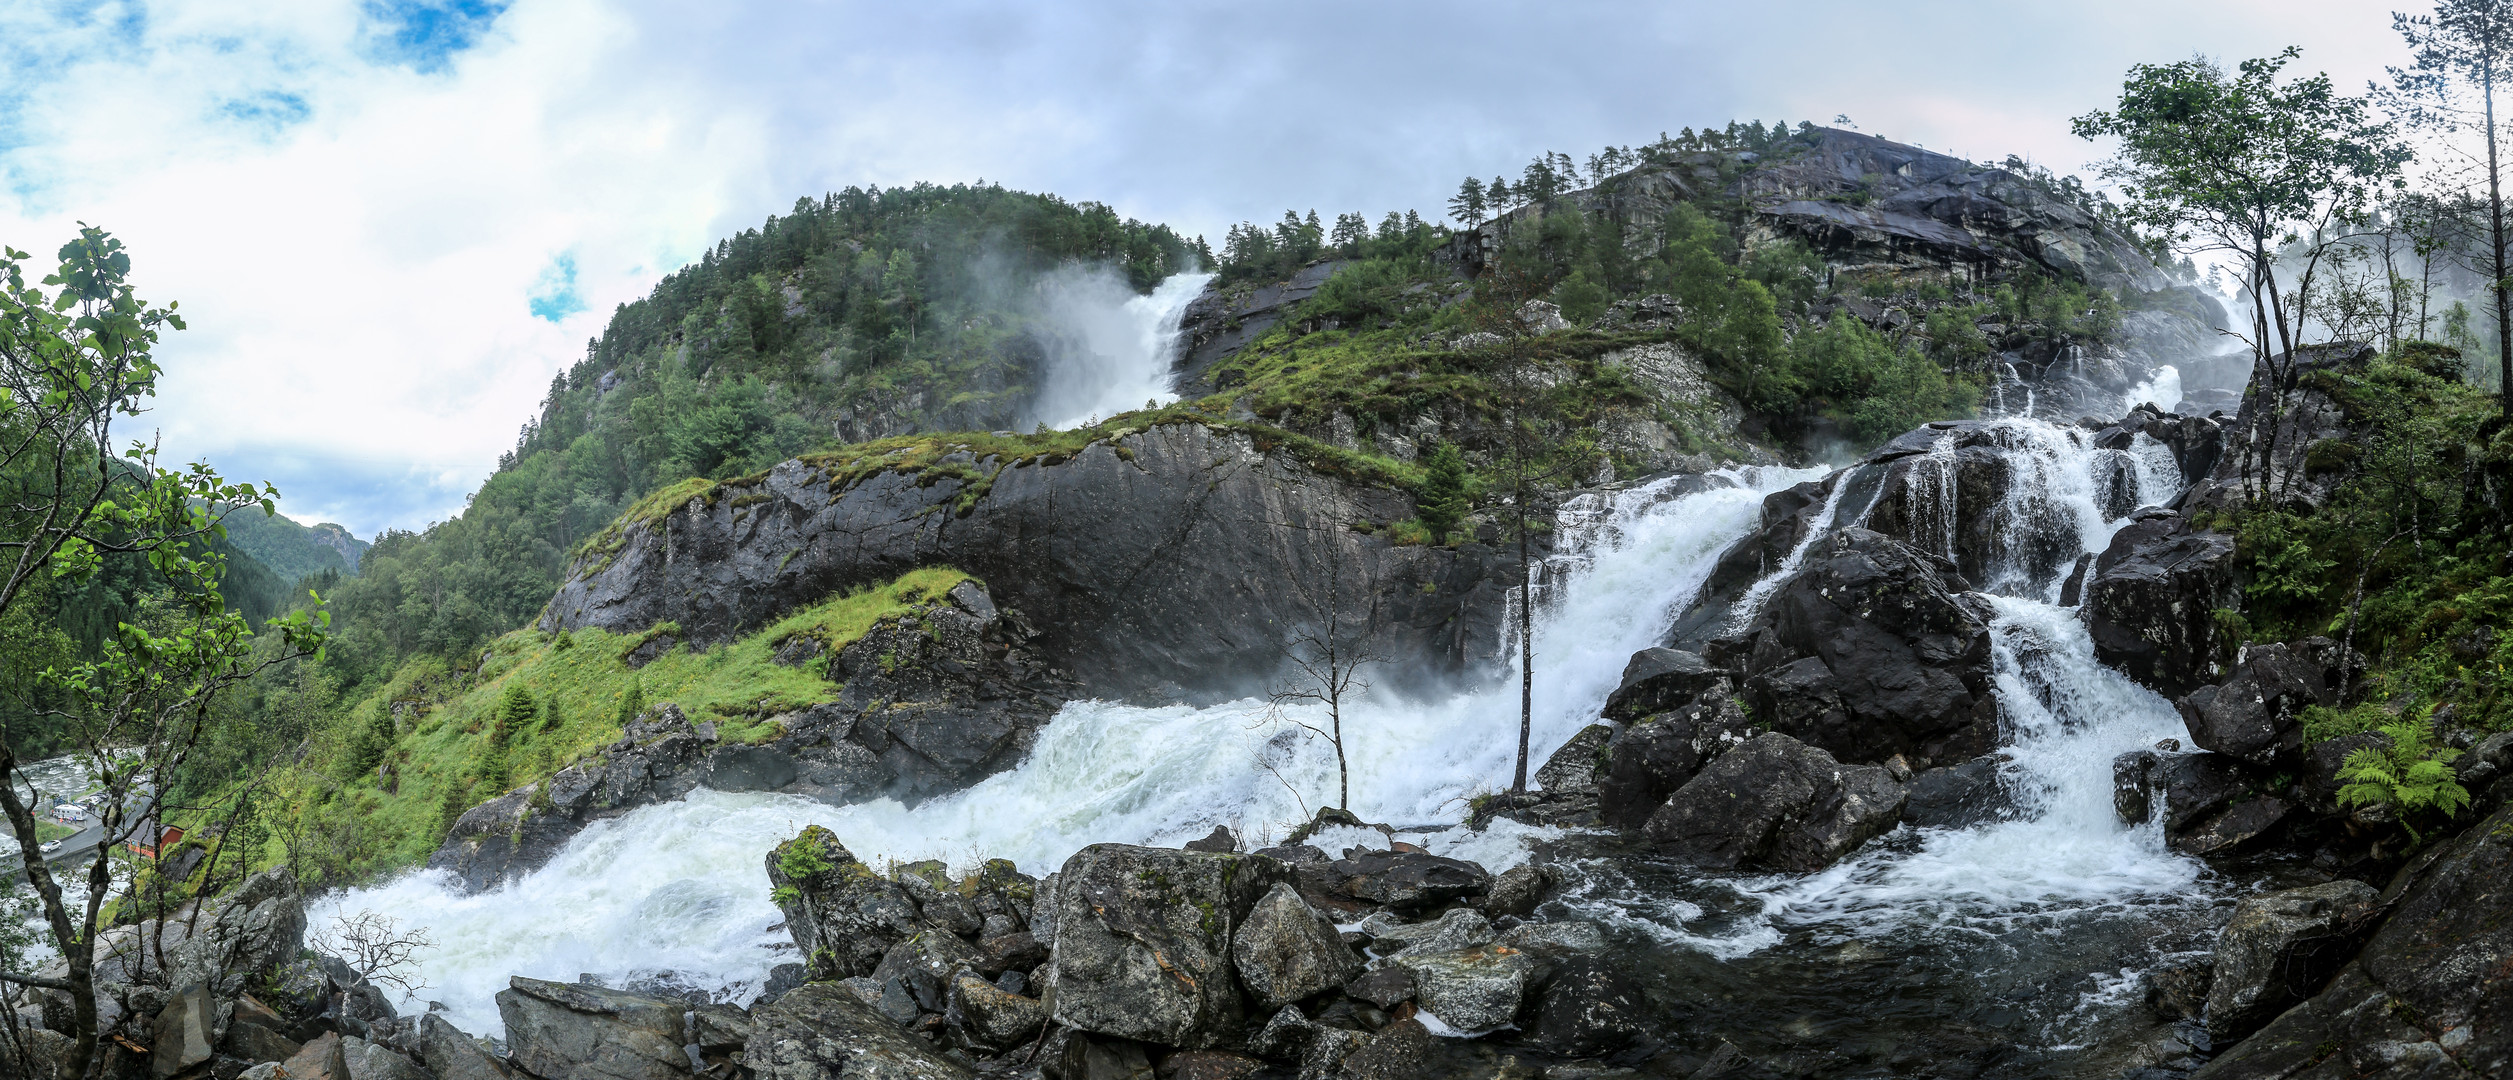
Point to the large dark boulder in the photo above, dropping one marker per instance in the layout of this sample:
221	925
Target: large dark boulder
1956	796
2431	992
1776	803
2152	600
1143	941
819	1031
1407	880
2186	787
1286	950
843	917
2255	714
572	1031
2278	948
452	1055
1659	679
1649	760
1872	650
1161	562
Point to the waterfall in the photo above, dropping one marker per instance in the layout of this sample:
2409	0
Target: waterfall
2060	862
682	887
1111	349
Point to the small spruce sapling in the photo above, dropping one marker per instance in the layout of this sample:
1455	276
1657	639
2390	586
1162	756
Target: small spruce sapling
2409	776
1443	504
633	702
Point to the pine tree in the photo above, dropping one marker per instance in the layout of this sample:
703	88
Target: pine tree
515	712
550	718
449	810
1350	231
1498	195
1466	208
1443	503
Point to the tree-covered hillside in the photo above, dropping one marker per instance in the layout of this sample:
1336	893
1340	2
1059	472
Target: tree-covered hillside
294	551
863	314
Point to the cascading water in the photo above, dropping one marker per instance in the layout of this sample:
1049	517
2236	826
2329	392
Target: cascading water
682	887
2059	890
1113	349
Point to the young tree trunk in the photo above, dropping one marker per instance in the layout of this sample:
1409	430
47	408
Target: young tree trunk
2496	247
1343	768
1526	651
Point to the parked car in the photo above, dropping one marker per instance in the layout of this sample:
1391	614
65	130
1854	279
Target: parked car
51	846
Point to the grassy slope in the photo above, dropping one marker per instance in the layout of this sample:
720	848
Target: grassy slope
578	682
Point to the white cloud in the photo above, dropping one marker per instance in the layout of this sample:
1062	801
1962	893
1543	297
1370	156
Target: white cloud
357	243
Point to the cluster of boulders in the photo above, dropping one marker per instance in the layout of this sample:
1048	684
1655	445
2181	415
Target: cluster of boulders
934	700
1856	697
227	988
1201	962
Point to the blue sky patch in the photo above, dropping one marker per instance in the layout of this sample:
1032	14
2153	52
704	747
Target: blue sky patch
426	34
270	108
554	296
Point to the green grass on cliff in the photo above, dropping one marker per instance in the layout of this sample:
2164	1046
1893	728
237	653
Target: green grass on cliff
974	459
444	756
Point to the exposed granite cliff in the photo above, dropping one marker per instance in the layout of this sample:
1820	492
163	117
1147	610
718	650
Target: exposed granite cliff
1159	565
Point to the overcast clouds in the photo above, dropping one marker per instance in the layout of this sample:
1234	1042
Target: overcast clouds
390	222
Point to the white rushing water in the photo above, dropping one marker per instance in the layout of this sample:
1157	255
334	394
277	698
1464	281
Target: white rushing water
2162	390
2065	717
682	887
1112	349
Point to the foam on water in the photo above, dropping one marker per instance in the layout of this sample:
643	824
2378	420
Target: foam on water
682	887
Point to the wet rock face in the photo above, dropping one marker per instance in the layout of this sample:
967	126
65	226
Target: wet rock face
2152	598
1588	1008
1649	760
1956	796
1143	941
2431	992
2196	443
1137	559
1222	321
1776	803
2278	948
819	1032
1873	650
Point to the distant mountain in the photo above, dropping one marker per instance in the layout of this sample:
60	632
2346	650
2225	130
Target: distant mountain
293	551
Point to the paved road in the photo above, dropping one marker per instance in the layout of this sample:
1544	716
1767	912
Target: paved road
78	846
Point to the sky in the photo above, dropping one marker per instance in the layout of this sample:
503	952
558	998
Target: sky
390	222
